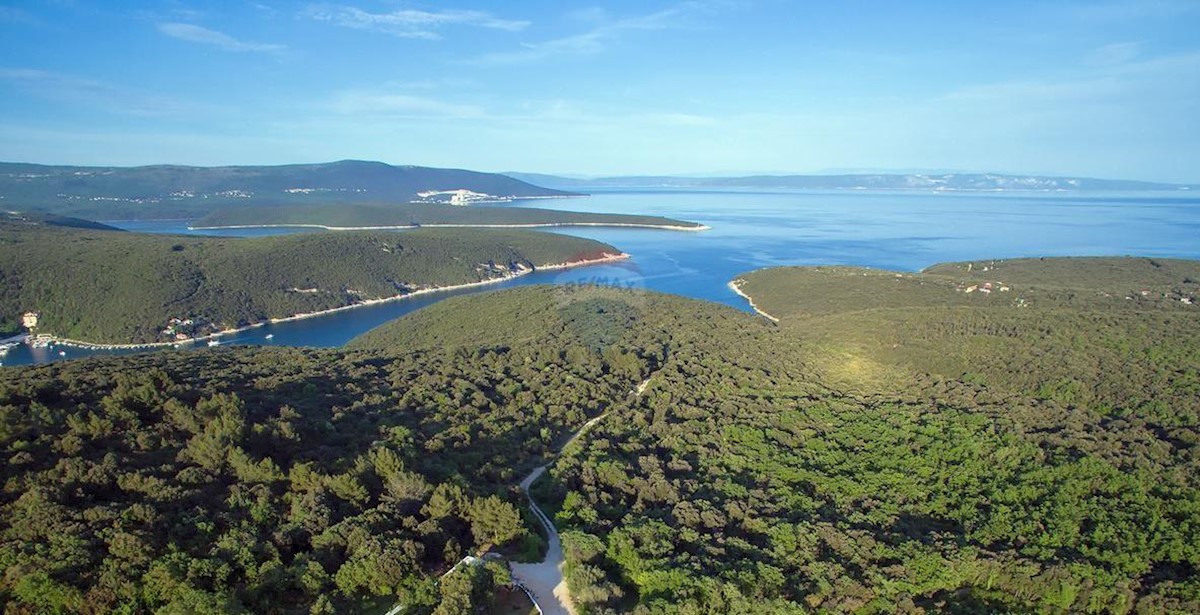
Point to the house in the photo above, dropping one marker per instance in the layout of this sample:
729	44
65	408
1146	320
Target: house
29	320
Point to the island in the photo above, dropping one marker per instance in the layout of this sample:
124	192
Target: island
894	442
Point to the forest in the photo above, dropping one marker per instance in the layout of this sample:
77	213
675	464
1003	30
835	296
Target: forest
894	444
416	214
282	480
107	286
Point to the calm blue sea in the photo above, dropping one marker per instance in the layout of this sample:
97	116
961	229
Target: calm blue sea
751	230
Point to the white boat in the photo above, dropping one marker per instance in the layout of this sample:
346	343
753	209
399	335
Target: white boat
269	336
213	342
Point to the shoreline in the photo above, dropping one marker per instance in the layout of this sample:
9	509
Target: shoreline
607	258
398	227
736	288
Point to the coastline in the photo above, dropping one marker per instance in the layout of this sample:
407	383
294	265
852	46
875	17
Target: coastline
398	227
607	258
736	288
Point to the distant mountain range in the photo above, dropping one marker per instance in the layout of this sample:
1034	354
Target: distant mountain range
184	191
965	182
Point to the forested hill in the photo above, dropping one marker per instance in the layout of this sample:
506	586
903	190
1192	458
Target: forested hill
425	214
877	455
895	444
172	191
116	287
1100	283
19	219
276	481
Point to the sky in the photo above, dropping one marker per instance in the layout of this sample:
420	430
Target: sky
1101	88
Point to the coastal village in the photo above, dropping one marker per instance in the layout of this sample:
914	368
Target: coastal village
187	329
176	331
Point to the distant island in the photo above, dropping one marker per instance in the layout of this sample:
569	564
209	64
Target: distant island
362	217
90	285
932	182
174	191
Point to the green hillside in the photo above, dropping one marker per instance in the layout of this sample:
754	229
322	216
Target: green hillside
416	214
892	445
274	481
1103	283
115	287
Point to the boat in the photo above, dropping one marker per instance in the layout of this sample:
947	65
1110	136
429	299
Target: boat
213	342
62	353
269	336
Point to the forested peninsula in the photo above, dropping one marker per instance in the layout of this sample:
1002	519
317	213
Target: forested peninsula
103	286
895	443
342	217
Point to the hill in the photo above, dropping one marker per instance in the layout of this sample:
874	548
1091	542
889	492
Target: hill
276	481
114	287
940	182
171	191
411	215
896	444
284	480
886	453
1100	283
30	219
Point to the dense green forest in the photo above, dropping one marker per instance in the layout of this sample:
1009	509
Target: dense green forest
115	287
416	214
297	481
894	444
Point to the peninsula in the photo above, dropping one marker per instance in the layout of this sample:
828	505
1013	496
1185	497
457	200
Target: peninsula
412	215
94	287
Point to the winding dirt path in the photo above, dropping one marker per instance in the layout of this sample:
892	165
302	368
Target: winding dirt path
545	580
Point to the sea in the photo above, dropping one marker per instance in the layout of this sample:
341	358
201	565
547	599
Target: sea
754	229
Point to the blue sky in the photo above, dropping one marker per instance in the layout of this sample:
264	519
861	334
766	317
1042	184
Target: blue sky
1106	89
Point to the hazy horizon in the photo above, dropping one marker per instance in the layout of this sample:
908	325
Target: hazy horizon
1106	89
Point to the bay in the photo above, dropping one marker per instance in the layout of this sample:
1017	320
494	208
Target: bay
751	230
